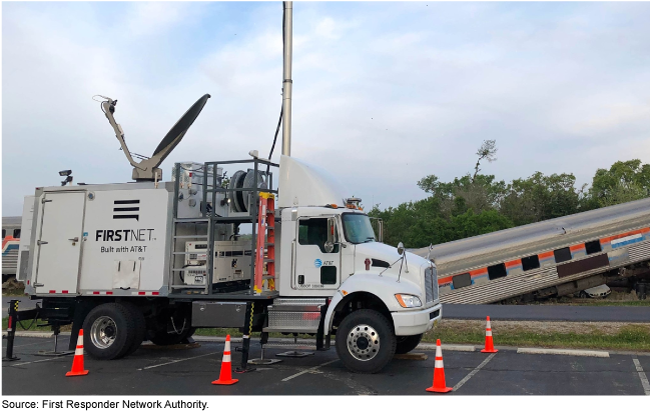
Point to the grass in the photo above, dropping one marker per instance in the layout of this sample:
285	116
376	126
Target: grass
32	326
13	292
630	337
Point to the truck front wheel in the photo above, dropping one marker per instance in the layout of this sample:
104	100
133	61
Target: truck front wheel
405	344
109	331
365	341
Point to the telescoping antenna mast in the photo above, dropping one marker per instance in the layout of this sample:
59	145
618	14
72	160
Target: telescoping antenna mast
287	83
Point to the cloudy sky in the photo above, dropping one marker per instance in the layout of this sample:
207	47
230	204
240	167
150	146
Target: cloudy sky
384	93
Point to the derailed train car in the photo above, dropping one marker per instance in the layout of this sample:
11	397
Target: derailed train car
550	258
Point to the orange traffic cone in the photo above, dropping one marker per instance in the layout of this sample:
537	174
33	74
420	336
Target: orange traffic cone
439	384
225	376
489	344
78	361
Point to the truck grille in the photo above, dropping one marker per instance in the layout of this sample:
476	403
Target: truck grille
430	280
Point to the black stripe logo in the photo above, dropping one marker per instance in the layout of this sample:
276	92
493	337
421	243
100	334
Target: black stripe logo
121	209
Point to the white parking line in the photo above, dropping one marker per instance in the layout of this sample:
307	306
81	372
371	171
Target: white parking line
307	370
472	373
644	379
178	360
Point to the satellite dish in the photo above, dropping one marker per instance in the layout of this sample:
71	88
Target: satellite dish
147	169
176	133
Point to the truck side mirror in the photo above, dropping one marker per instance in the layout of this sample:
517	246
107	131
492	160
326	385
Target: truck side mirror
331	234
400	249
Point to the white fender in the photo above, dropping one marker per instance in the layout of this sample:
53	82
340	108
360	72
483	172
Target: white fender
384	287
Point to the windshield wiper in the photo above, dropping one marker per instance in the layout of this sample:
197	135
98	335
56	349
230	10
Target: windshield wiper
368	239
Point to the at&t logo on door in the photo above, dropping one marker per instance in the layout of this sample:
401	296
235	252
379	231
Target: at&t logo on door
318	263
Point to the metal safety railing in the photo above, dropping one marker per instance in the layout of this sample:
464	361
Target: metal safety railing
216	198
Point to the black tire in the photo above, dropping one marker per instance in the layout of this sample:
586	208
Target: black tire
405	344
355	330
140	326
162	338
122	331
583	295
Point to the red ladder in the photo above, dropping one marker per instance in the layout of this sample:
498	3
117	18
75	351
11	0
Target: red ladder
265	238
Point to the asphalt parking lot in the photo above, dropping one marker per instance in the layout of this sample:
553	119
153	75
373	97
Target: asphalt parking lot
155	370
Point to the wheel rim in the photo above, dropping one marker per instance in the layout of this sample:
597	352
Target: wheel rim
103	332
363	342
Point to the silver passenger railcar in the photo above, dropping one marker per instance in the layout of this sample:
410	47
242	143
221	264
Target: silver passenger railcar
552	257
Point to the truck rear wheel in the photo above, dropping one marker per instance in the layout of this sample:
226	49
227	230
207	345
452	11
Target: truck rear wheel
365	341
405	344
109	331
140	326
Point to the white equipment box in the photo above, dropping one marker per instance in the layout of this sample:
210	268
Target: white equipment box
196	253
232	262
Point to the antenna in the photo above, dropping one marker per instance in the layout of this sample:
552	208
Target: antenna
287	83
147	169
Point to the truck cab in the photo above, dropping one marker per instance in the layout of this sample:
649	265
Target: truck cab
380	299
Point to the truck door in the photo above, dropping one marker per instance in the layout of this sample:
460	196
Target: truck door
314	267
59	243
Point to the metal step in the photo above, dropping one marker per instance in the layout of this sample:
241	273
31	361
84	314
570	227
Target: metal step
298	315
297	304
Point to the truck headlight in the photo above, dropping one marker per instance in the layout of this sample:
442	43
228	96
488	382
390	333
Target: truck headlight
408	301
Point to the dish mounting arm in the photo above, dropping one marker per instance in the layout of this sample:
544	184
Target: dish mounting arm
147	169
108	107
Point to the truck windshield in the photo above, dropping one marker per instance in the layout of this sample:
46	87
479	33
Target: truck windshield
357	228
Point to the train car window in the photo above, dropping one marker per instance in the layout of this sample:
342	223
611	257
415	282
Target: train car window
562	255
530	262
593	247
4	233
497	271
460	281
17	233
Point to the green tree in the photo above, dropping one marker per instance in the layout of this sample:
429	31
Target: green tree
487	151
623	182
473	224
476	204
541	197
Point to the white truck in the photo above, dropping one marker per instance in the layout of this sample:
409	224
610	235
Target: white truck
135	260
155	260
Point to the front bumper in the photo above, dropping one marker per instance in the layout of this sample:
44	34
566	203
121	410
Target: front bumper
416	322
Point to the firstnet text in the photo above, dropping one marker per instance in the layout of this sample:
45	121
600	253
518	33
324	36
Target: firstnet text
124	235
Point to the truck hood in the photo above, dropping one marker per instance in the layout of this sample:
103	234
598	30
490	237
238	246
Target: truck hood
382	255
